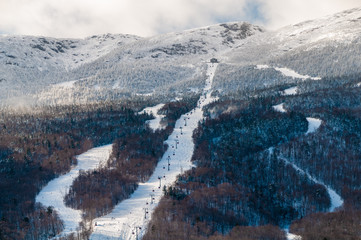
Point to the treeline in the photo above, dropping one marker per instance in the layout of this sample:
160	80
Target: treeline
136	152
37	147
239	179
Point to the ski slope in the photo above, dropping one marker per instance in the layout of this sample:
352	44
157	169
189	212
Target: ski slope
288	72
313	124
130	218
336	200
154	124
280	108
290	91
53	194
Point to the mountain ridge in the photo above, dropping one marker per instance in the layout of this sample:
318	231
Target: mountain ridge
116	66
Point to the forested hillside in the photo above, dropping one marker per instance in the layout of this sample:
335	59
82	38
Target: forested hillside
272	145
244	175
39	146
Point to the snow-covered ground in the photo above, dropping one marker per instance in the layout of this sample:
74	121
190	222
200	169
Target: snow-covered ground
290	91
279	108
313	124
336	200
154	123
53	194
291	236
288	72
68	84
129	219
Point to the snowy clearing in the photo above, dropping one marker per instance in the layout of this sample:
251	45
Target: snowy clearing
288	72
154	123
129	218
53	194
68	84
259	67
290	91
280	108
291	236
313	124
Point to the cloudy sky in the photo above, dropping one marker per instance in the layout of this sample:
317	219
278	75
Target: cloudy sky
81	18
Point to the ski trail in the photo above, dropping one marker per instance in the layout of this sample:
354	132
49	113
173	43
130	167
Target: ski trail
290	91
287	72
313	124
129	218
54	192
336	200
280	108
154	123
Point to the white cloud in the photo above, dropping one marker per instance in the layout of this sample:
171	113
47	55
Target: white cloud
278	13
80	18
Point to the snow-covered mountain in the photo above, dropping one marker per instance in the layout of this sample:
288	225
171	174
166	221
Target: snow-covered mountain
28	63
168	64
116	66
325	47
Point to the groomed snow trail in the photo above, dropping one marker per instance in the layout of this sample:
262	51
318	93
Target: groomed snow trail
154	123
313	124
336	200
290	91
288	72
54	192
280	108
130	218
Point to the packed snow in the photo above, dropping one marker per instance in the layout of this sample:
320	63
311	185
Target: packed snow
155	123
290	73
129	219
291	236
53	194
336	200
287	72
313	124
68	84
259	67
280	108
290	91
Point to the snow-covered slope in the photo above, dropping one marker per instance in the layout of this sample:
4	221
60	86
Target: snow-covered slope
309	48
167	64
28	63
325	47
155	123
129	218
53	194
115	66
